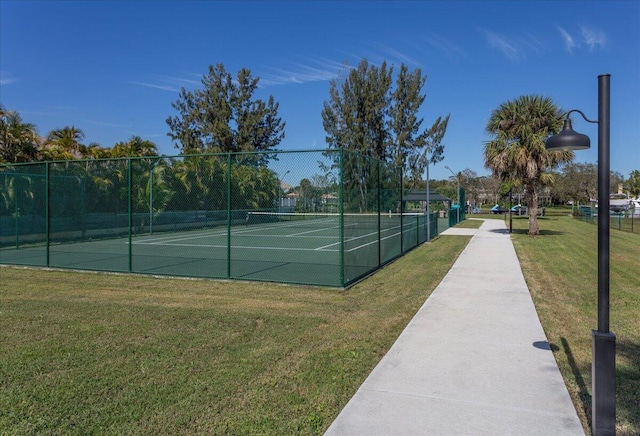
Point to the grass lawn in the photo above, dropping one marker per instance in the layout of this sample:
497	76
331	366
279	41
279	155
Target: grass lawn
84	353
560	267
469	224
103	353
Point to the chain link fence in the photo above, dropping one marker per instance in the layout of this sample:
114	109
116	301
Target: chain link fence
626	221
322	217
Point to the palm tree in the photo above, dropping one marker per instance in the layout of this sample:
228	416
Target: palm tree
65	144
135	147
18	140
517	151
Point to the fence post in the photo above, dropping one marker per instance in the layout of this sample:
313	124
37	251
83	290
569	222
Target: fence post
341	213
229	215
130	201
17	211
46	212
379	212
401	212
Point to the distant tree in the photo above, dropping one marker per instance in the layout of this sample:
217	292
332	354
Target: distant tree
134	147
365	114
64	144
18	140
492	187
410	147
355	117
224	116
310	196
471	183
517	150
633	184
577	182
96	151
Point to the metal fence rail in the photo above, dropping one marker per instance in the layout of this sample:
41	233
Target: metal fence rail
628	221
194	216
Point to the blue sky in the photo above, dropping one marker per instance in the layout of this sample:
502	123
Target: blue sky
114	68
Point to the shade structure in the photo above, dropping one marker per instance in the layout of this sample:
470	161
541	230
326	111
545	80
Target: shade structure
568	139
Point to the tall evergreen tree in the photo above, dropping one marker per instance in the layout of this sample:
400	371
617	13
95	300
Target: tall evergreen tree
356	114
224	116
364	113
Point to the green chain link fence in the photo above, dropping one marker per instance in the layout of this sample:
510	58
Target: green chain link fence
322	217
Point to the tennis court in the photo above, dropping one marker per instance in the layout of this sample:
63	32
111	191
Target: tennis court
229	216
301	248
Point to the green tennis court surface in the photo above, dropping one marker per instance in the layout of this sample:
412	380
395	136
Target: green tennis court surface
319	217
295	248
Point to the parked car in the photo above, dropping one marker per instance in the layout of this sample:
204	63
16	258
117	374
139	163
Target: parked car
522	210
519	209
498	209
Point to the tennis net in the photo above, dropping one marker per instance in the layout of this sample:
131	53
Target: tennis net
319	219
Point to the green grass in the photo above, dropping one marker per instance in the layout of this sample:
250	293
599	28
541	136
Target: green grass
104	353
560	267
469	224
84	353
625	223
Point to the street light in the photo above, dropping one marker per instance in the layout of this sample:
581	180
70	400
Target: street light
603	341
457	192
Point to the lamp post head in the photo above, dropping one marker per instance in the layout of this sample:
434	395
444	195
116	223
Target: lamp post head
568	139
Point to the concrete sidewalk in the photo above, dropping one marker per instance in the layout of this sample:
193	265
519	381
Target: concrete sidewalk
473	361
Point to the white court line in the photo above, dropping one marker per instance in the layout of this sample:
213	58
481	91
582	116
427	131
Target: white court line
371	243
172	241
311	231
236	232
364	236
234	247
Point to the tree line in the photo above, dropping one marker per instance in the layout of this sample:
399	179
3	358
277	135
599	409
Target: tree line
364	112
370	109
573	183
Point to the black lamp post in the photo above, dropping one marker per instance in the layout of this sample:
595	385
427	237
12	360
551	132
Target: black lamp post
603	344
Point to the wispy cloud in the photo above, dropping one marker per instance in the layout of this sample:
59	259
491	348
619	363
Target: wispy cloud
508	47
446	46
157	86
146	135
569	42
21	112
588	37
100	123
391	55
6	78
313	70
593	38
169	83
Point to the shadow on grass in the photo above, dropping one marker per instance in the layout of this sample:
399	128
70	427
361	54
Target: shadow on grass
543	232
628	385
585	396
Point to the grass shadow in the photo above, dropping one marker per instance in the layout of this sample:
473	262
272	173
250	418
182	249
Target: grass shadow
543	232
628	386
526	231
585	396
